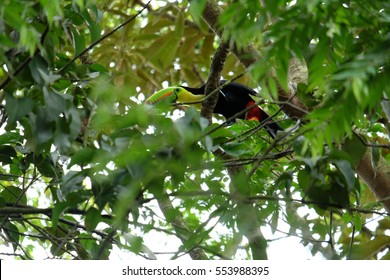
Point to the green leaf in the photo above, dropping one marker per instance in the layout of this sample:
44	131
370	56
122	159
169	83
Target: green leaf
10	137
47	167
42	131
75	18
74	121
2	202
13	194
137	245
92	219
51	8
94	28
303	179
235	149
12	233
281	72
55	104
58	210
221	132
6	154
17	107
83	157
345	168
196	9
179	25
29	38
357	221
162	51
72	181
12	14
103	190
136	242
207	143
369	249
38	69
57	249
78	41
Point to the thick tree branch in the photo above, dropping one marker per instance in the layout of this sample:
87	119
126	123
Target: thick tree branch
213	81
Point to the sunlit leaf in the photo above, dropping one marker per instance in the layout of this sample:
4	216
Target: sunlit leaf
367	250
196	9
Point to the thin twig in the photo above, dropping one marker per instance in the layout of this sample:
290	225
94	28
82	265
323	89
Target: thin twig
365	143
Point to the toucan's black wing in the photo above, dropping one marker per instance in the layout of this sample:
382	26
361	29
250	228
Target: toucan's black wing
233	98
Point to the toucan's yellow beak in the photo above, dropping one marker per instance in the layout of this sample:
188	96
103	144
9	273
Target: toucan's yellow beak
173	94
167	95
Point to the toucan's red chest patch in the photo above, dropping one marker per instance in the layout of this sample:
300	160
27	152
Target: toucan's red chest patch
255	113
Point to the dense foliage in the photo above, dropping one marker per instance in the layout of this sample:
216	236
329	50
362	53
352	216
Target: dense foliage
85	167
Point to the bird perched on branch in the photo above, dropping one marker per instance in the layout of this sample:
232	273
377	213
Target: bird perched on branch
233	99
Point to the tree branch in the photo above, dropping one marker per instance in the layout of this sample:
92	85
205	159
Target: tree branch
213	81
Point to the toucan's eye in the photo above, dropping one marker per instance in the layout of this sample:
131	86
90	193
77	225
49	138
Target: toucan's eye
176	91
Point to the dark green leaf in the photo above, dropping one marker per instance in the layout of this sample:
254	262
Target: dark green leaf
17	107
78	41
12	233
303	179
367	250
14	195
349	174
92	219
58	210
94	28
7	153
82	157
55	104
47	167
10	137
235	149
72	181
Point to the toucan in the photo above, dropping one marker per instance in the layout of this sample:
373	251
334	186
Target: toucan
233	98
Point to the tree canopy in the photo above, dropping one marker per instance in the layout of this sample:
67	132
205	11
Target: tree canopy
86	168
